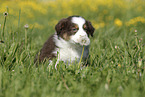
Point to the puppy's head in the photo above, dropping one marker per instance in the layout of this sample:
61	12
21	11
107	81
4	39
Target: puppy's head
75	29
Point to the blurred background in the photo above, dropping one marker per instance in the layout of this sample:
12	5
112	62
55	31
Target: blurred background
42	15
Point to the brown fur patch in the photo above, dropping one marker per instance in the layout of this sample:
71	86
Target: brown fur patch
89	28
46	51
65	36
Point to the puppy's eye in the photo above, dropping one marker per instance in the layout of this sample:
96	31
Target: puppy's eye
74	29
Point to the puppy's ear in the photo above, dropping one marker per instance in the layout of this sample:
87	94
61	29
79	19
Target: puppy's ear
90	28
60	26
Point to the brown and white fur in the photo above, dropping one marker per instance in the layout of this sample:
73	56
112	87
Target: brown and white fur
72	34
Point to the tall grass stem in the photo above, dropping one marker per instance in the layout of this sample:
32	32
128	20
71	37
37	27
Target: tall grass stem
4	27
26	37
81	58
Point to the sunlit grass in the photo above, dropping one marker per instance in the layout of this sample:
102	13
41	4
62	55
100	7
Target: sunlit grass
117	57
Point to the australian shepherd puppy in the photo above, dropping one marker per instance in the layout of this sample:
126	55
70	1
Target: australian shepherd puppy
70	39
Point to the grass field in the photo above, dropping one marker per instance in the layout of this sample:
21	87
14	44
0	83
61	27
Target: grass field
117	51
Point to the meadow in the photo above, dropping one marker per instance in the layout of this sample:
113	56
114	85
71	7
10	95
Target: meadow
117	49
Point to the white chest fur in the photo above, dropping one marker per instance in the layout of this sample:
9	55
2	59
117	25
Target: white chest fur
69	52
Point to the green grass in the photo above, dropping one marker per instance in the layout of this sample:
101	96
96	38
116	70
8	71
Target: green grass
117	58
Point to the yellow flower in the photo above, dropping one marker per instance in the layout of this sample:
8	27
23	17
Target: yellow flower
135	20
33	5
98	25
118	22
39	26
36	25
102	24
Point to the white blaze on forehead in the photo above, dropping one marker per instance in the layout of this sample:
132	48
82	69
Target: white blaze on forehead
79	21
80	36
